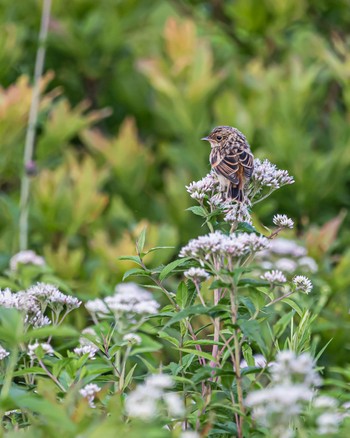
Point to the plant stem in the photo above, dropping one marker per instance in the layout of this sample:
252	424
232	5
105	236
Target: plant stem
9	372
51	375
280	298
32	122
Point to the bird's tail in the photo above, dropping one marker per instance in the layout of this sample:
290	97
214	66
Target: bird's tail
235	192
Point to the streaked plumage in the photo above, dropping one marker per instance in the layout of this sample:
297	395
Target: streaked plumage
231	159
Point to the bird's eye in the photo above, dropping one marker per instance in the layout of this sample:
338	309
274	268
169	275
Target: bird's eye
219	137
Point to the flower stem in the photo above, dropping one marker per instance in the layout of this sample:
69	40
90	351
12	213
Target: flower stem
33	117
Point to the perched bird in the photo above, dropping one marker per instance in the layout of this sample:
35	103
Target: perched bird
231	159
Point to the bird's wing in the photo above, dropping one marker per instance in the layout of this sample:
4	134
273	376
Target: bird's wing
246	159
226	165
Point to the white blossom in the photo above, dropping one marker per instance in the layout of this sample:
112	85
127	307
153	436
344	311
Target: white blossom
267	174
283	221
150	398
174	404
282	246
308	263
3	353
237	212
53	296
274	276
189	434
89	392
328	423
97	306
197	275
302	284
26	257
259	361
37	349
91	350
205	187
324	402
132	339
221	245
286	265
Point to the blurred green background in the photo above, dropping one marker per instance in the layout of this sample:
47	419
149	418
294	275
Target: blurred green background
130	88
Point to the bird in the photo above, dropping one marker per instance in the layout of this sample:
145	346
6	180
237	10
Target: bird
231	159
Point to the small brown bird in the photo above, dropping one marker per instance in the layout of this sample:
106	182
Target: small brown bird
231	159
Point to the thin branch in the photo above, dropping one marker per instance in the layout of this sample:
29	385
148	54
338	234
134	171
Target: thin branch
32	122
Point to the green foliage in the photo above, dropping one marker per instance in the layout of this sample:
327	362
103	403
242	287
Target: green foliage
129	90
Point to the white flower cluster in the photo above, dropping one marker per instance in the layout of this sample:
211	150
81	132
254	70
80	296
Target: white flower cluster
27	257
205	187
302	284
129	300
3	353
86	346
197	275
237	212
89	392
39	349
49	294
274	277
34	301
149	399
217	244
267	174
287	256
292	387
283	221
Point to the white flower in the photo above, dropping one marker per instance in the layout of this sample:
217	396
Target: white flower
147	400
308	263
189	434
196	274
286	265
282	246
140	404
8	299
328	423
25	258
238	212
3	353
91	350
52	295
97	306
302	284
131	298
283	221
159	381
206	186
219	244
324	402
38	349
132	339
89	392
290	367
267	174
174	404
274	276
259	361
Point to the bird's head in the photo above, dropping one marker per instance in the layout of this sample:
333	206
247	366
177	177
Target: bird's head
219	135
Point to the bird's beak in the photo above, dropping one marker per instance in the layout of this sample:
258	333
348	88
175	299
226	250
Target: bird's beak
205	138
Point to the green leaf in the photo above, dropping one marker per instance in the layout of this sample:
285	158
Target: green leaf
140	243
157	248
198	353
129	376
252	330
44	332
293	305
136	271
247	228
198	211
135	259
198	309
182	295
167	270
252	282
281	324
